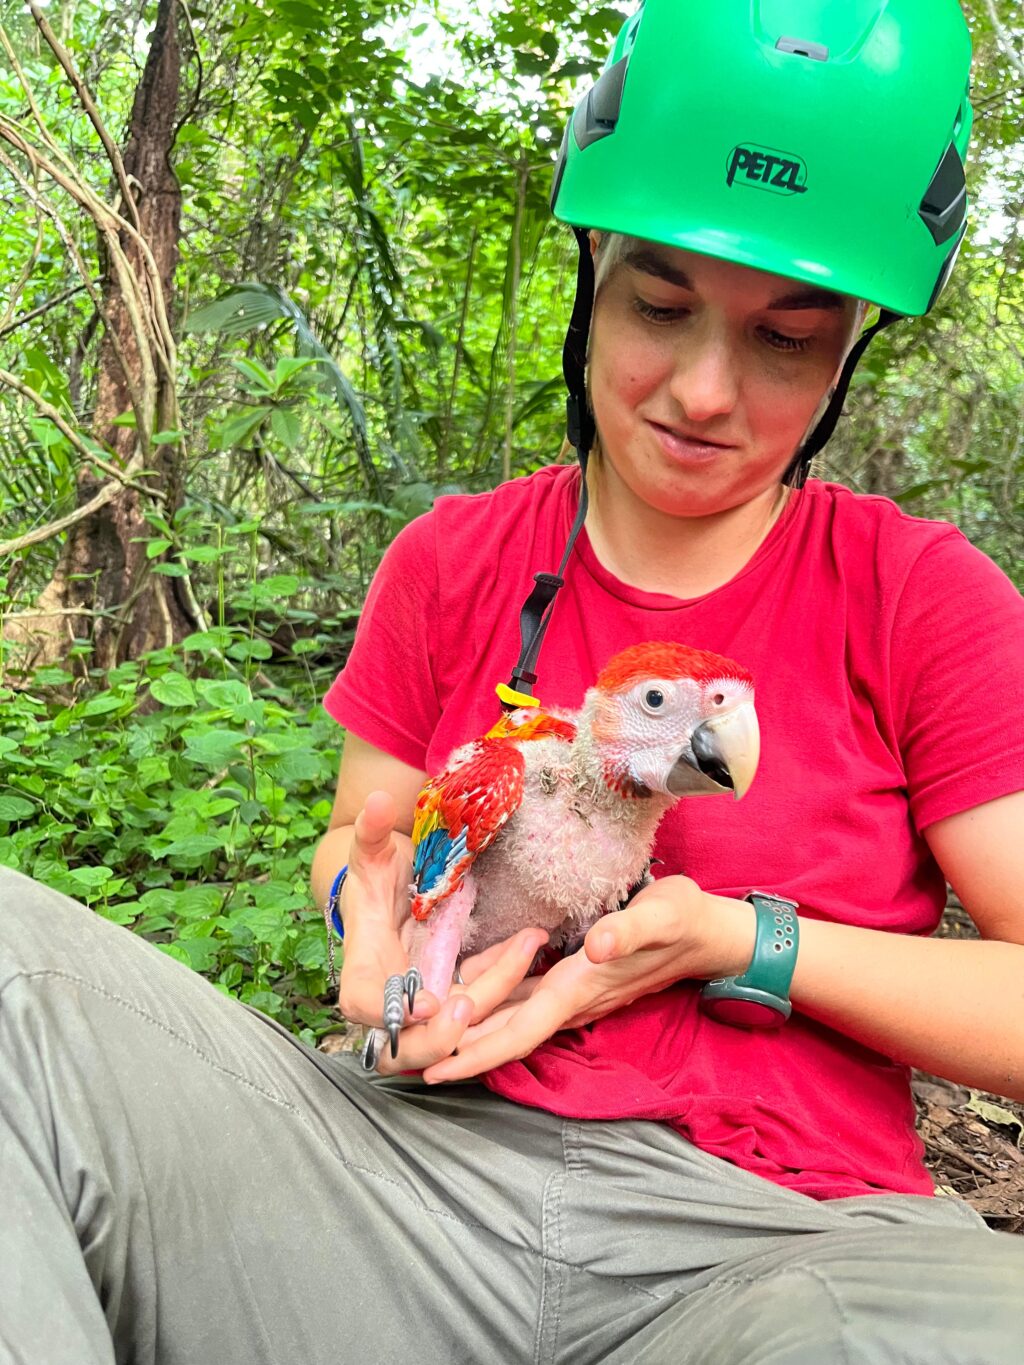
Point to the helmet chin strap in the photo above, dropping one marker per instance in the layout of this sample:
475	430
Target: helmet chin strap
799	468
580	428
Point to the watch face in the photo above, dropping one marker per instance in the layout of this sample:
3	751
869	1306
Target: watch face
745	1014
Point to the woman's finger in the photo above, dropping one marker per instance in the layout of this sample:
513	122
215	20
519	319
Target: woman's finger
527	1027
420	1045
502	971
373	829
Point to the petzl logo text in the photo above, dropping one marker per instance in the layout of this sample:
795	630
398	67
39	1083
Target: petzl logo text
764	168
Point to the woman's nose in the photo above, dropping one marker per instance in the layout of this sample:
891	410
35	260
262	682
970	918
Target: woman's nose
705	382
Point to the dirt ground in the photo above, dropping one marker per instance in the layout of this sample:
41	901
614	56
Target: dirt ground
974	1141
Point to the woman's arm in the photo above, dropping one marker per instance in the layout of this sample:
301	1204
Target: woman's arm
953	1007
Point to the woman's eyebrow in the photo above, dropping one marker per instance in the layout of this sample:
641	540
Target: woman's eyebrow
651	262
825	299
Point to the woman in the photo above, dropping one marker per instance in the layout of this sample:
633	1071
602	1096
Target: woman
708	380
637	1180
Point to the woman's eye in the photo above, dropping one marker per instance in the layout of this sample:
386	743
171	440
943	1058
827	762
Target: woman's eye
654	313
780	342
654	699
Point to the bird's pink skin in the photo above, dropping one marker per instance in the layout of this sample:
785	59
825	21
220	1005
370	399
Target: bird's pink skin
437	942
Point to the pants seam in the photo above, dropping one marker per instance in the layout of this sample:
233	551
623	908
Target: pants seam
552	1257
744	1281
219	1067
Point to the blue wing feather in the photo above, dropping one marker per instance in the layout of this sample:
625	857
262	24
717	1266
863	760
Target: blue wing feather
434	855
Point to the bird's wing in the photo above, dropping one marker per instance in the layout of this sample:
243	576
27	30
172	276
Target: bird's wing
458	814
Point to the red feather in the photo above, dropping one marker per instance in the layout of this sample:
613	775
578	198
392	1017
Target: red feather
477	795
659	659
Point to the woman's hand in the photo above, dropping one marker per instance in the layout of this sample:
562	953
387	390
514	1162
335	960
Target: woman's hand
375	911
671	930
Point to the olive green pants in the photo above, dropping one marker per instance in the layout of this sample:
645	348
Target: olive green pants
182	1182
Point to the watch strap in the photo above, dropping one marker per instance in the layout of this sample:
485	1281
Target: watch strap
759	997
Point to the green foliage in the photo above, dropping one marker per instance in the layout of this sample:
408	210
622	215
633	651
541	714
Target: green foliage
183	795
185	807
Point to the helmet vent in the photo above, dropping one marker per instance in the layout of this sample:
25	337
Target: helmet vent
944	206
800	47
598	112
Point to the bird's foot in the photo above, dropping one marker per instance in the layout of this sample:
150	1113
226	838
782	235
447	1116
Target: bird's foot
397	990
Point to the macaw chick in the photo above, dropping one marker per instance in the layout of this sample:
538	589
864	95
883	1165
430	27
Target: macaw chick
549	820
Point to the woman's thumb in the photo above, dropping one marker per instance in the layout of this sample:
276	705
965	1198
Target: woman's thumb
374	826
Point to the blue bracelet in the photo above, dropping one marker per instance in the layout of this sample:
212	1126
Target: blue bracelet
334	898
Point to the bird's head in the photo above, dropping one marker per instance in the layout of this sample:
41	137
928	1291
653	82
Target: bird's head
666	718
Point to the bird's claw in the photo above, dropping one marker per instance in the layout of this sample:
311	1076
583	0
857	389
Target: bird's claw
413	983
369	1058
398	990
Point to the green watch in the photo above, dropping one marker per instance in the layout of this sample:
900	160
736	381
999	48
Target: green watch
759	999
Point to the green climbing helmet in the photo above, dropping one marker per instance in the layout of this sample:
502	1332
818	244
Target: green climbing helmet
820	140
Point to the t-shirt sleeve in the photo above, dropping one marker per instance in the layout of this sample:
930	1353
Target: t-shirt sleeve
958	681
387	693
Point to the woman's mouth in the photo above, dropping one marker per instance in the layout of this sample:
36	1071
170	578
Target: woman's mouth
686	448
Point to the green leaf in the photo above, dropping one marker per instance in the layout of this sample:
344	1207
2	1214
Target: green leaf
173	689
212	748
289	366
256	374
52	676
280	585
201	953
14	808
103	704
240	426
205	554
237	312
166	438
228	692
92	877
250	649
217	638
176	951
192	846
285	425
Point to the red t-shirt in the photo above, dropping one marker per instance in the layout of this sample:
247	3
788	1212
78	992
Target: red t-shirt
888	658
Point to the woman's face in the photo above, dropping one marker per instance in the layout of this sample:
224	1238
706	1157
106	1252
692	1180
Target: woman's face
704	375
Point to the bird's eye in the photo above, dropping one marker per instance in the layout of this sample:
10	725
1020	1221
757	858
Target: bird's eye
653	699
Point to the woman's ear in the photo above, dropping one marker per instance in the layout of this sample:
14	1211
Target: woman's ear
595	241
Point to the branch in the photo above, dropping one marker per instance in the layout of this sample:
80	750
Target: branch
85	99
1003	39
47	137
106	494
49	411
43	308
61	611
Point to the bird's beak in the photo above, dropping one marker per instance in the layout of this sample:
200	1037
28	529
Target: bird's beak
725	750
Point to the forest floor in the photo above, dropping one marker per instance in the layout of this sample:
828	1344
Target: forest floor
974	1141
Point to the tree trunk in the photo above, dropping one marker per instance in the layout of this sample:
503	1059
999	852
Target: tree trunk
103	567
